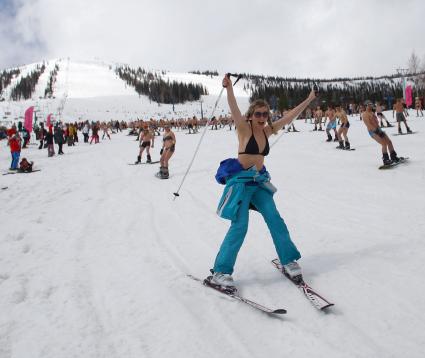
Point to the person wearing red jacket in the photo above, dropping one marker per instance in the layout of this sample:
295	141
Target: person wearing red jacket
15	150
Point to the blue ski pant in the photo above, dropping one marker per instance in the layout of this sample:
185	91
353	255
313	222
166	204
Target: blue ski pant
15	160
264	203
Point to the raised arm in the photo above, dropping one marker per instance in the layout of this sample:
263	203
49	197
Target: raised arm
240	121
293	113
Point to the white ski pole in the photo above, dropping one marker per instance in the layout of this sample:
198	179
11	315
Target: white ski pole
176	194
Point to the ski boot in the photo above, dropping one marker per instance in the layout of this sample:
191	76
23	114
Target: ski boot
347	145
292	270
399	131
336	139
394	157
329	138
386	159
139	160
163	173
341	145
149	160
221	281
409	130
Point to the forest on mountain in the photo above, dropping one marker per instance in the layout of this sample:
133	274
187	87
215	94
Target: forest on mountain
285	93
6	78
157	89
48	92
26	85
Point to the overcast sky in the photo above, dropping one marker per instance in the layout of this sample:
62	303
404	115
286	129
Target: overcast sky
301	38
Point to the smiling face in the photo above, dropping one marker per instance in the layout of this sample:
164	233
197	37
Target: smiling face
259	116
258	113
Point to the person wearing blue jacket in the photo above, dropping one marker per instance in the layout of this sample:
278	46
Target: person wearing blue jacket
248	186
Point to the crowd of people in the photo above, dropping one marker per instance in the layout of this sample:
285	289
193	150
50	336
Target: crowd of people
18	138
324	119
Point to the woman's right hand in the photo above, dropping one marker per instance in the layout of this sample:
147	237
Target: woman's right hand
227	82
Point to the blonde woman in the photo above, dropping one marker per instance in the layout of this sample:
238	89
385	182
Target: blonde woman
248	185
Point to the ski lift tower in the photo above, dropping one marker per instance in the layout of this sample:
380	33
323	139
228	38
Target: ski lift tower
403	72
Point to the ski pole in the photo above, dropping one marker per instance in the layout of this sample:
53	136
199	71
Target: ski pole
176	194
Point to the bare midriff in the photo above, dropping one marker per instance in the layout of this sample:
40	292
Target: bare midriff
250	160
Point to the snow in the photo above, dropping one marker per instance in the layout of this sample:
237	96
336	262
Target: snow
95	253
92	91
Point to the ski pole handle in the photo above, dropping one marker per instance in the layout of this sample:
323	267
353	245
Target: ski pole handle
238	77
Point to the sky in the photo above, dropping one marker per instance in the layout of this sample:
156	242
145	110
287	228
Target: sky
302	38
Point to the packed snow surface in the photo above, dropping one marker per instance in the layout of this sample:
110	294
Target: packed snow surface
94	253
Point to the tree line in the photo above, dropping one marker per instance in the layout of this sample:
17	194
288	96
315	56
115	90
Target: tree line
284	93
6	79
26	86
48	92
157	89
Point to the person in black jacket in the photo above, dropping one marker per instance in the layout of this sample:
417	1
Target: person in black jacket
59	139
42	134
49	141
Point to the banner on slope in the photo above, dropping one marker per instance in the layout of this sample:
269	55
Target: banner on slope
409	93
29	113
49	120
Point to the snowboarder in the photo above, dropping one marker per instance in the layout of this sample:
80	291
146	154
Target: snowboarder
318	115
381	115
399	113
343	129
248	185
146	142
372	125
330	113
167	151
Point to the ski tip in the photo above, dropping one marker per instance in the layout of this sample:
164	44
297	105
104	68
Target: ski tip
176	194
280	311
325	308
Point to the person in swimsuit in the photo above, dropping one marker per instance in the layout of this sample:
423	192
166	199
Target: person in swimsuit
372	125
168	148
381	116
146	141
318	115
399	113
418	107
248	186
343	129
330	113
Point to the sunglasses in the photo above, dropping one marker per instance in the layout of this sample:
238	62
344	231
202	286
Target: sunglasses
261	114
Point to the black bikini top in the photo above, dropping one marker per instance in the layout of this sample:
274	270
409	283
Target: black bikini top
252	146
167	138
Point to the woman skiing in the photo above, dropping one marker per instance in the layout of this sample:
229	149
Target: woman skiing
248	186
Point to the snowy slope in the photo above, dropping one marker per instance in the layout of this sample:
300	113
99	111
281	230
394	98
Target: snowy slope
90	90
94	253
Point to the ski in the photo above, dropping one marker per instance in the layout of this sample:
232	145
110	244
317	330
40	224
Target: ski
317	300
18	172
394	164
233	294
155	162
345	148
405	133
159	176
